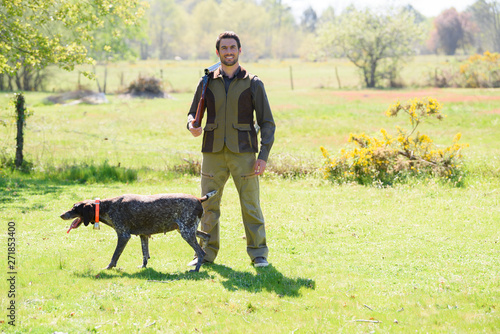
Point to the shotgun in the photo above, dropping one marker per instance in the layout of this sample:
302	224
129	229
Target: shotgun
201	105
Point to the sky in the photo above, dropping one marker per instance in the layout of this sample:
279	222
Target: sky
429	8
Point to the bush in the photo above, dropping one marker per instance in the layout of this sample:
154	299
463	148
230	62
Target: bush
147	87
89	174
481	71
392	159
291	167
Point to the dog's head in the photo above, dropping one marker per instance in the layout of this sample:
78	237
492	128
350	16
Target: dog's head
84	212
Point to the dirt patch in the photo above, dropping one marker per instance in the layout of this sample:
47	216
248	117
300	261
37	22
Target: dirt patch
392	96
495	112
285	107
77	97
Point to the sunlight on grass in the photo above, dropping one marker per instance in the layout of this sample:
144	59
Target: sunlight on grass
415	257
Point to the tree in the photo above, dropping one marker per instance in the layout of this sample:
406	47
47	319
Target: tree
328	15
282	37
35	34
449	30
378	43
452	30
419	17
40	33
309	20
166	19
486	15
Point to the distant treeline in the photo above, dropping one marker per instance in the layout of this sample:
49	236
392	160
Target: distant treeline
187	29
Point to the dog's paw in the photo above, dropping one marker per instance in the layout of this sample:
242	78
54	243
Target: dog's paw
110	266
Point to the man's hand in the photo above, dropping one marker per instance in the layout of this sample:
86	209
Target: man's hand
195	131
259	167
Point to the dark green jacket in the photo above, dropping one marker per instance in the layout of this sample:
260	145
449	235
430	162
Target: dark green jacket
230	117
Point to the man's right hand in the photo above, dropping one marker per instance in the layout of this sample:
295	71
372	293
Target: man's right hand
195	131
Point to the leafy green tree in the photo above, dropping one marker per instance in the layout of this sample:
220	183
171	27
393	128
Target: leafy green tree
35	34
251	22
207	23
419	17
486	15
378	43
50	32
328	15
166	19
281	38
309	20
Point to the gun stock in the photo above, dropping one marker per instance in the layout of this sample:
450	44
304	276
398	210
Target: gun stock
200	111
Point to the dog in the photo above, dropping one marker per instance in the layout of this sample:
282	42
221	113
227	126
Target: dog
145	215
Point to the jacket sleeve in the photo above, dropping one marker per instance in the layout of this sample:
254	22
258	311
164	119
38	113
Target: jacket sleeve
264	118
194	104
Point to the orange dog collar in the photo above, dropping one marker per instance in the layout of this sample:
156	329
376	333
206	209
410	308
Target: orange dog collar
97	202
97	205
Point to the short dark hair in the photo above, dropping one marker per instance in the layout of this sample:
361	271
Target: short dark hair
227	34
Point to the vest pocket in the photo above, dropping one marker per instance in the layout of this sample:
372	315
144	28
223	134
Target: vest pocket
243	127
210	126
244	137
209	137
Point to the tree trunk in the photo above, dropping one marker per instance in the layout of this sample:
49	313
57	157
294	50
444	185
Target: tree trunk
97	80
17	78
373	70
105	77
20	126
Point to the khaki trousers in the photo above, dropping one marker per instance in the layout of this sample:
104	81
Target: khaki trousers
215	171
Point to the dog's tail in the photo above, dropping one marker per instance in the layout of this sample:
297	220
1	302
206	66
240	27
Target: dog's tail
207	196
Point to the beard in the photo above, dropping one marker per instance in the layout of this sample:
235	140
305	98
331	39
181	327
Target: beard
231	62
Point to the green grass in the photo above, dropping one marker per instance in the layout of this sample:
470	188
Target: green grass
414	257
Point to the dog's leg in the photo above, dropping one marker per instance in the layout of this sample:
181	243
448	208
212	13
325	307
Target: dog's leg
190	237
145	250
200	254
205	237
122	242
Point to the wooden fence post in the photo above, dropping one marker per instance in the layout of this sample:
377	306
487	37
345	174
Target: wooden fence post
338	78
20	115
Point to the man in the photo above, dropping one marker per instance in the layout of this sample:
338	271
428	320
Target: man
230	146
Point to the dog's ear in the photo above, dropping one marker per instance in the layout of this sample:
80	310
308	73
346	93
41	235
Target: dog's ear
88	213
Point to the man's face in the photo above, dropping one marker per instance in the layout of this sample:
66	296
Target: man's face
228	51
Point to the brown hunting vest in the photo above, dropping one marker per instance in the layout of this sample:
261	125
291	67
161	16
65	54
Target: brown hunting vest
230	117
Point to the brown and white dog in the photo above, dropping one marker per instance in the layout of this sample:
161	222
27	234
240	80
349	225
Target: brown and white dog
144	215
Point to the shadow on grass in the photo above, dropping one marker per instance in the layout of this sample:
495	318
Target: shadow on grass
265	279
17	189
148	274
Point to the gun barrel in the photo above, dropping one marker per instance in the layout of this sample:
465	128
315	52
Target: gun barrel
212	68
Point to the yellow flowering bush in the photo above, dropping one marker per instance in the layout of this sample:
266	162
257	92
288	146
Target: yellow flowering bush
391	159
481	71
478	71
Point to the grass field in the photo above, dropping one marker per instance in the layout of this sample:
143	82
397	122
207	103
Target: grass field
420	257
